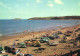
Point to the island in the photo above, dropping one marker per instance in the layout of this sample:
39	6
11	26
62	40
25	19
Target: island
16	19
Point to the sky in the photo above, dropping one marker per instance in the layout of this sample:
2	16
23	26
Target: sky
25	9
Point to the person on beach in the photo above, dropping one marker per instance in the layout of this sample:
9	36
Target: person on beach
14	44
74	44
60	26
74	35
78	54
55	54
33	36
70	53
13	50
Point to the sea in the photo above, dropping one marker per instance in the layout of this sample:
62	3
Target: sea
15	27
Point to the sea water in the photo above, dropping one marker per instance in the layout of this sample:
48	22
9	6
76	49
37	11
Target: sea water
9	27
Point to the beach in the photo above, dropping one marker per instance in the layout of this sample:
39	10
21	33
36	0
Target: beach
39	28
50	50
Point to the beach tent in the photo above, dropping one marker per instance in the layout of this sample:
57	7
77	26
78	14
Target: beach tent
57	36
21	45
54	36
15	51
12	50
51	37
44	39
8	49
21	54
78	28
68	33
4	55
59	32
27	41
53	43
2	49
36	43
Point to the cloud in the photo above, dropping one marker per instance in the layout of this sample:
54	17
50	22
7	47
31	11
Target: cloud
79	4
22	0
58	2
49	1
9	8
1	4
16	5
9	16
27	4
38	1
50	5
4	6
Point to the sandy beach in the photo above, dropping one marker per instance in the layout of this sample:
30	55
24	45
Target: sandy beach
50	50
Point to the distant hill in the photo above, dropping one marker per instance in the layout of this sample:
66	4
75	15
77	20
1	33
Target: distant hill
16	19
56	18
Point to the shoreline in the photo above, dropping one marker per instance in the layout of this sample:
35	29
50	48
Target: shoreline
32	33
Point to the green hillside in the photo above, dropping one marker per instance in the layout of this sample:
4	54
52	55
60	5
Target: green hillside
56	18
